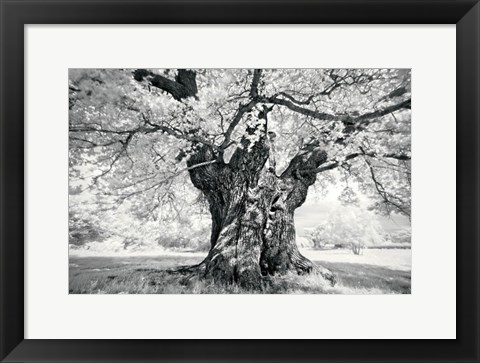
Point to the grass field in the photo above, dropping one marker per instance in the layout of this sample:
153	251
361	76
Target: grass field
374	272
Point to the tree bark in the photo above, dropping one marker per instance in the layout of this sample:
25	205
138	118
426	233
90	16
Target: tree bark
253	230
280	253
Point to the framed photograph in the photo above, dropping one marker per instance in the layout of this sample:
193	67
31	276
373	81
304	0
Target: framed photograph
240	181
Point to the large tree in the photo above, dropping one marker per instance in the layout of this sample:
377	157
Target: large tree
251	141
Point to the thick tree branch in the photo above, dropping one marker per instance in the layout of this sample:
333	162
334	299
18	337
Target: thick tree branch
163	181
257	73
184	86
304	111
330	117
336	164
147	129
298	102
243	108
368	116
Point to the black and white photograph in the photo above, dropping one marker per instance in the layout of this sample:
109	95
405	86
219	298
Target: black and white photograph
239	181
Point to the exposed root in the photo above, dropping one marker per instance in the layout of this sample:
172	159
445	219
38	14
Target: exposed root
189	273
249	281
304	266
313	268
326	274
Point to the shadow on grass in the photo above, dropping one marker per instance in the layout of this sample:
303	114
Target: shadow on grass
357	275
148	275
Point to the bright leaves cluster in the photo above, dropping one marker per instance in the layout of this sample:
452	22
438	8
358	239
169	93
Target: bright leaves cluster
129	140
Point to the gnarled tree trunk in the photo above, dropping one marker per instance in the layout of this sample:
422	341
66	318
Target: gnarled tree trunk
253	232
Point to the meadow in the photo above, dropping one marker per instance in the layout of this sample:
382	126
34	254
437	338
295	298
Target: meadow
375	271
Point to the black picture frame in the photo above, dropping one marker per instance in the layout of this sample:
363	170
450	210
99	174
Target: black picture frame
15	14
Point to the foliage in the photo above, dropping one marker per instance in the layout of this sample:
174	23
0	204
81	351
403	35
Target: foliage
118	230
84	223
83	229
132	131
402	236
349	227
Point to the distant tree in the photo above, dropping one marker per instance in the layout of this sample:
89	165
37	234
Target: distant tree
316	236
251	141
125	229
84	225
401	236
350	227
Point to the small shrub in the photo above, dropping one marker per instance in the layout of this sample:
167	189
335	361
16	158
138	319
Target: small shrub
357	248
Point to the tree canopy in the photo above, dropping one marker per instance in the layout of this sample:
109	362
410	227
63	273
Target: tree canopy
132	131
